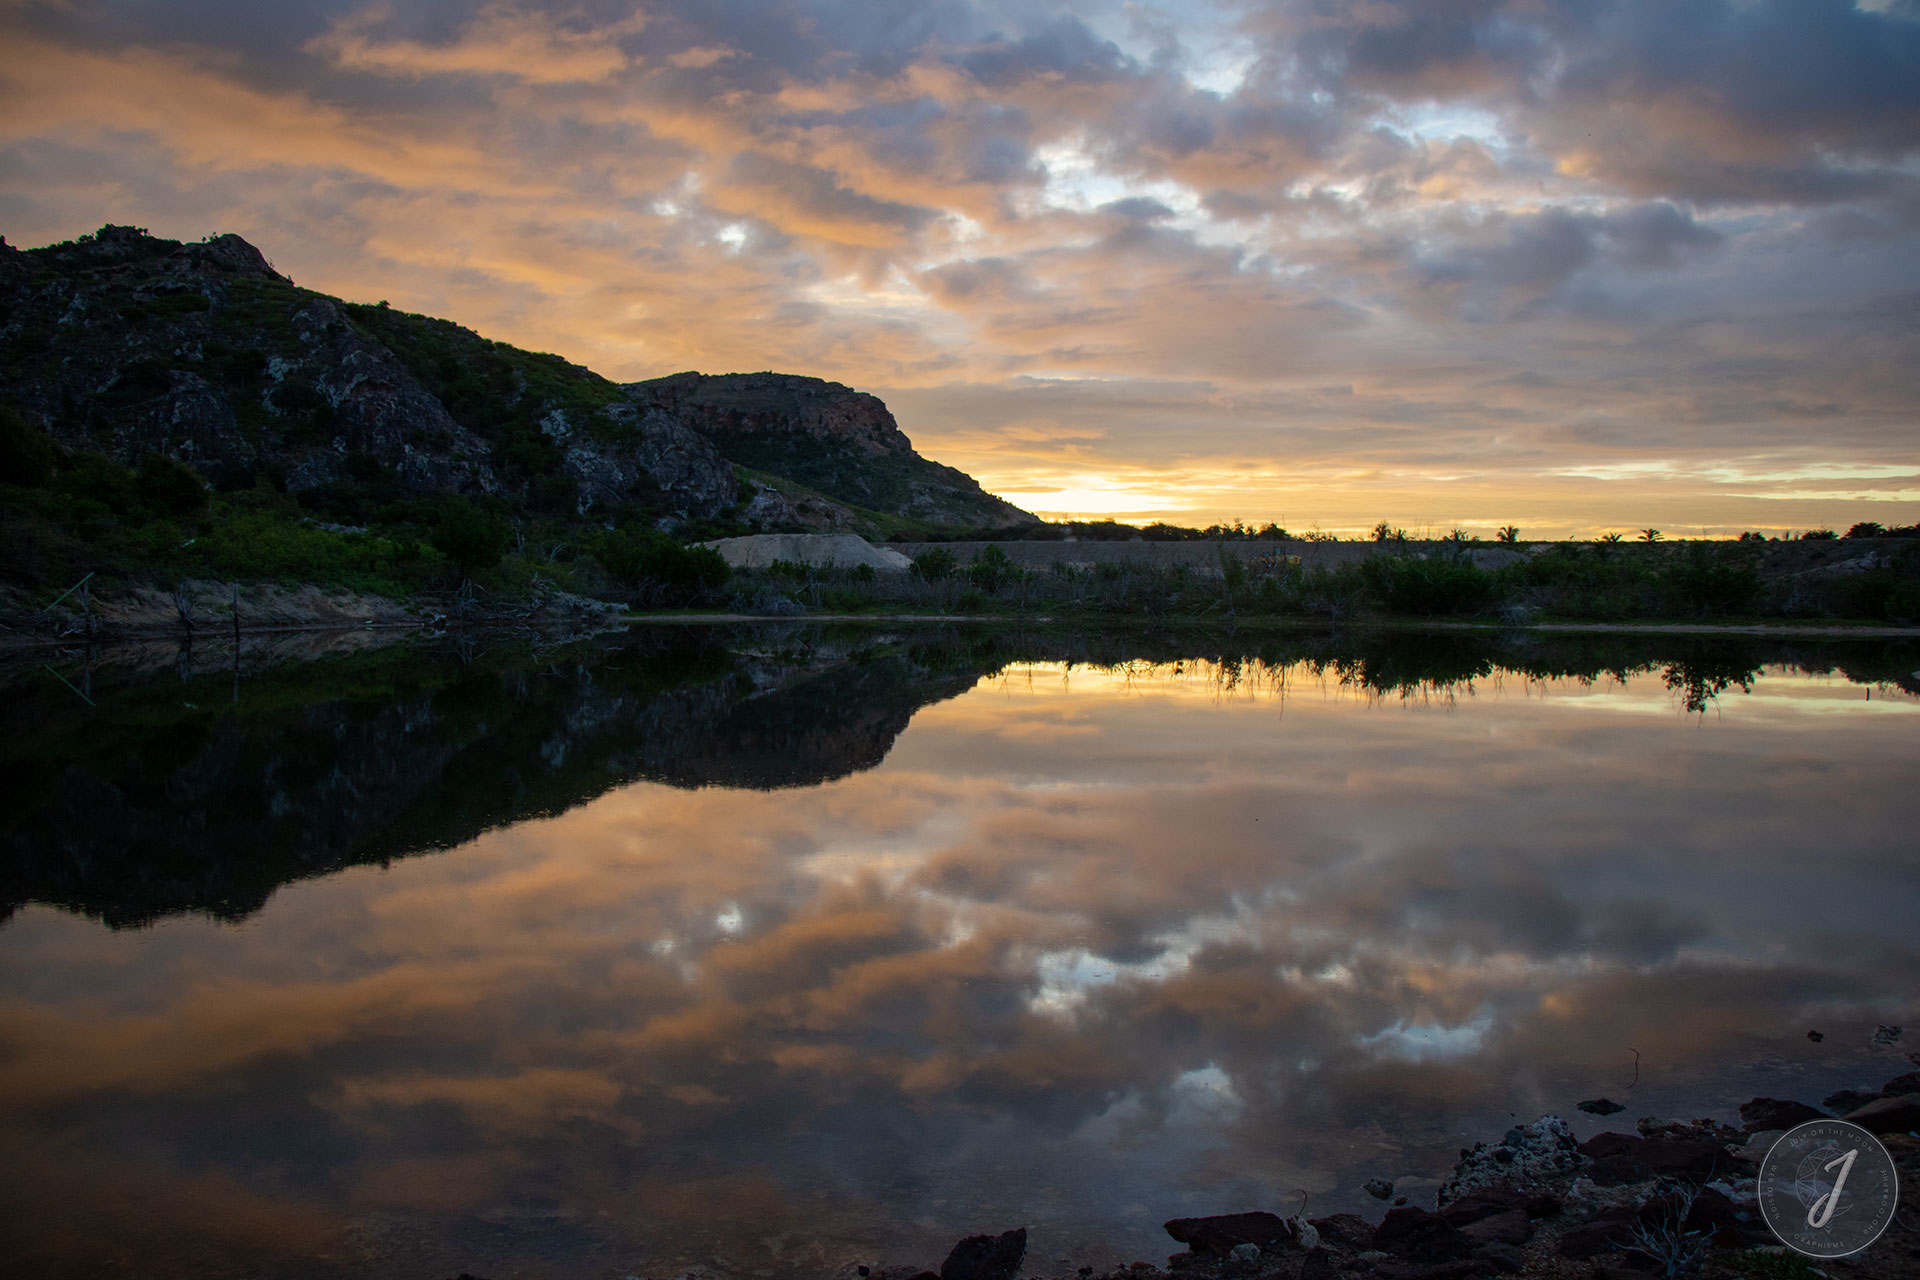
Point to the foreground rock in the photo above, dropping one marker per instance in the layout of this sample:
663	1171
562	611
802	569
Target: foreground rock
1538	1157
1673	1198
1219	1236
986	1257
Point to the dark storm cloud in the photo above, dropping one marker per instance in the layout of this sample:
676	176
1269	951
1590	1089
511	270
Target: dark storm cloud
1062	48
1704	99
1520	262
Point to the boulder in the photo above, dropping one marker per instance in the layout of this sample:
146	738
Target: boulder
987	1257
1899	1114
1419	1236
1622	1157
1600	1234
1349	1229
1500	1259
1619	1170
1486	1204
1777	1113
1542	1155
1511	1227
1848	1100
1218	1235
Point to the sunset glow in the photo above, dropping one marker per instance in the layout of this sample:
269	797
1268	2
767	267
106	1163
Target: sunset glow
1320	262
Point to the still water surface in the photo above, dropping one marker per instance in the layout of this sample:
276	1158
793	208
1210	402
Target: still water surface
778	952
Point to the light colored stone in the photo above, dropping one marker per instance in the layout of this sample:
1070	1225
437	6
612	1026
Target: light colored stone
1538	1156
844	550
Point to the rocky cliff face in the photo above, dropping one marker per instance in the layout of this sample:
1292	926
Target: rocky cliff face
124	344
829	437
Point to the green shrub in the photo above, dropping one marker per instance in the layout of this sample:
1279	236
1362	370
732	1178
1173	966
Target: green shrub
99	478
1439	584
1704	582
654	565
166	487
936	565
257	543
472	540
991	569
26	453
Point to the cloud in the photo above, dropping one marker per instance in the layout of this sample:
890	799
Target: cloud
1604	211
499	42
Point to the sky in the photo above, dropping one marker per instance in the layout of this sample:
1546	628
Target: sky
1573	265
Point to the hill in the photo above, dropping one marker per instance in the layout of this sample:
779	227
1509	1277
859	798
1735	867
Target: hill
152	355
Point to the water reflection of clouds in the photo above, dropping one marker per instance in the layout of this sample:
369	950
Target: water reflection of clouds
1312	920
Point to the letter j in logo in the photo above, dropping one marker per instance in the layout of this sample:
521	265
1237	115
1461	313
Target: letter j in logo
1828	1189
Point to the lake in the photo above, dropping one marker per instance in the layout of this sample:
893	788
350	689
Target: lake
778	950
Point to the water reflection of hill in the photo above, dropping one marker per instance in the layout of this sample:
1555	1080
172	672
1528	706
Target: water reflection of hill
186	789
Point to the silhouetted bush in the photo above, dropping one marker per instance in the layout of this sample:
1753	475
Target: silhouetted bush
936	565
1438	584
26	454
99	478
660	569
472	540
1703	582
167	487
991	570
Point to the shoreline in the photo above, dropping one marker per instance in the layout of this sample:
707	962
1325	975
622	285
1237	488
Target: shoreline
107	635
1669	1198
1826	630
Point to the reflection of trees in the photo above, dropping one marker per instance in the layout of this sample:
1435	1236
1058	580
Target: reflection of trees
181	792
1699	682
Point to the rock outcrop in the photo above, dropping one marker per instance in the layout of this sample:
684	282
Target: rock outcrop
841	442
124	343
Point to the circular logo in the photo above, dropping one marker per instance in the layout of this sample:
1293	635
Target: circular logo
1828	1188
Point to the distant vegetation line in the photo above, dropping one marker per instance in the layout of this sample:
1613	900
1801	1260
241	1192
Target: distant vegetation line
1241	531
1723	581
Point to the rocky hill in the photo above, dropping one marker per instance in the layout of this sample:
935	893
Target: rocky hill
128	345
828	437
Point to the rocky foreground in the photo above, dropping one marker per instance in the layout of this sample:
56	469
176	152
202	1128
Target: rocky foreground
1672	1198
